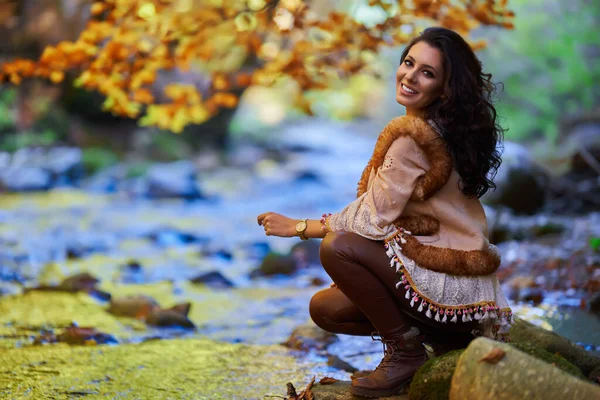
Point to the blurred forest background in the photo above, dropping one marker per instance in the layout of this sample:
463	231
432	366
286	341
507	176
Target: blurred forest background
135	157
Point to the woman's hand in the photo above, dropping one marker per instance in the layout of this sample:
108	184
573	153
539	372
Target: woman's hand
277	224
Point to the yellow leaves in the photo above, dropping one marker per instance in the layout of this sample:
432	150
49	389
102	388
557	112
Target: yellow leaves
97	8
226	100
245	22
144	77
146	11
183	94
128	43
143	96
57	76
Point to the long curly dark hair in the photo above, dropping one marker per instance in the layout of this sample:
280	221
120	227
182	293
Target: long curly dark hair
465	113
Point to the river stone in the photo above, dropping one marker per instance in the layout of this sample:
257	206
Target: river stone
173	180
341	391
309	336
523	331
276	264
520	182
307	252
515	376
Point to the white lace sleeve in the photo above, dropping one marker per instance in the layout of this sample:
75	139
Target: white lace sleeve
372	214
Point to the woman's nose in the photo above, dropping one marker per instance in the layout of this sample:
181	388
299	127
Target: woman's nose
410	77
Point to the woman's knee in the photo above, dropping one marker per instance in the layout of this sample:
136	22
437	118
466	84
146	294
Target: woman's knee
319	308
334	246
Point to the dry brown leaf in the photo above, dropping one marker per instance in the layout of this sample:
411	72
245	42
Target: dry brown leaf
493	356
328	380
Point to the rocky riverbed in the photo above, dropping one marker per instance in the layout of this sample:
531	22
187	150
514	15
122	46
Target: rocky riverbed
116	253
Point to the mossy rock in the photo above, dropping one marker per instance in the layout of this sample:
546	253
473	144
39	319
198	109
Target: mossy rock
544	355
525	332
432	380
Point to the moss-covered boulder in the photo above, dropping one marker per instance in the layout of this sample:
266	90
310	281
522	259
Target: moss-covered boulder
432	380
489	369
525	332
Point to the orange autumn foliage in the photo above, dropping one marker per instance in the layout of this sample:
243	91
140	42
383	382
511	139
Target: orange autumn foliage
128	44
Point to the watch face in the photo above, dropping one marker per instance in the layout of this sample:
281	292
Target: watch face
300	226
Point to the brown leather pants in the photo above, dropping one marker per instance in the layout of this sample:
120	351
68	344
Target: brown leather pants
366	298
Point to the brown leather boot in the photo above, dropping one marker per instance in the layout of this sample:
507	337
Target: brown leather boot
403	356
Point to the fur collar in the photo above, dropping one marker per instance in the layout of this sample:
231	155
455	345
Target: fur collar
439	259
429	141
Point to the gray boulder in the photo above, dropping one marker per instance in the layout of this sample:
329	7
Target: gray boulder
520	182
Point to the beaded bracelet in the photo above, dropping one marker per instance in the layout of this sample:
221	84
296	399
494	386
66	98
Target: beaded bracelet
324	222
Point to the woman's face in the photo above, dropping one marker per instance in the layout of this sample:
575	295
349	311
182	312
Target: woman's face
419	78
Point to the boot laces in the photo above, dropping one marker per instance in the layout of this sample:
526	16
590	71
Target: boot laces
389	351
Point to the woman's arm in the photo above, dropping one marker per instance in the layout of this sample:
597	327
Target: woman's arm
279	225
372	214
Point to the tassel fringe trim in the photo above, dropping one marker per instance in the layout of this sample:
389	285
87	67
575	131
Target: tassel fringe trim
481	311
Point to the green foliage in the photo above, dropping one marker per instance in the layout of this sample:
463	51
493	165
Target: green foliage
595	243
7	99
96	159
15	141
548	64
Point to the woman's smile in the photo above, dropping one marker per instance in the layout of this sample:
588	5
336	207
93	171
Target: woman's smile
407	90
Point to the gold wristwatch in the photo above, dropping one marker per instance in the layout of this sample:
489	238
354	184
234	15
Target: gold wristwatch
301	227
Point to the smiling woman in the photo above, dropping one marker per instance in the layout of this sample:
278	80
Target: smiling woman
417	210
420	78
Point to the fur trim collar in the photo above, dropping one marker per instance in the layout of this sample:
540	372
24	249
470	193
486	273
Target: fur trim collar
429	141
439	259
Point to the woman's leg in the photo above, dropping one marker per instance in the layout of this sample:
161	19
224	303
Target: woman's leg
360	266
332	311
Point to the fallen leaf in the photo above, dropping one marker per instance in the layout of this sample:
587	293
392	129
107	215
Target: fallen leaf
494	356
328	380
291	391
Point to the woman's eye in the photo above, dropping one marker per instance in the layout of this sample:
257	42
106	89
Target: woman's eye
428	74
407	63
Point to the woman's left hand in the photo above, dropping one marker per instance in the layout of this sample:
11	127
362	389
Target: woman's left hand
277	224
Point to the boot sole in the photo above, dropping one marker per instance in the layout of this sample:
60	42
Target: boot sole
378	393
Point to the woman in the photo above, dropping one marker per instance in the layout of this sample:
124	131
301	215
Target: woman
418	212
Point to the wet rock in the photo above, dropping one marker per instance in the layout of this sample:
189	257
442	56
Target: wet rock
83	282
65	164
76	336
173	180
170	237
341	391
432	380
169	317
105	181
520	182
534	295
276	264
525	332
147	309
306	252
337	363
27	179
516	375
213	279
256	250
309	337
594	304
